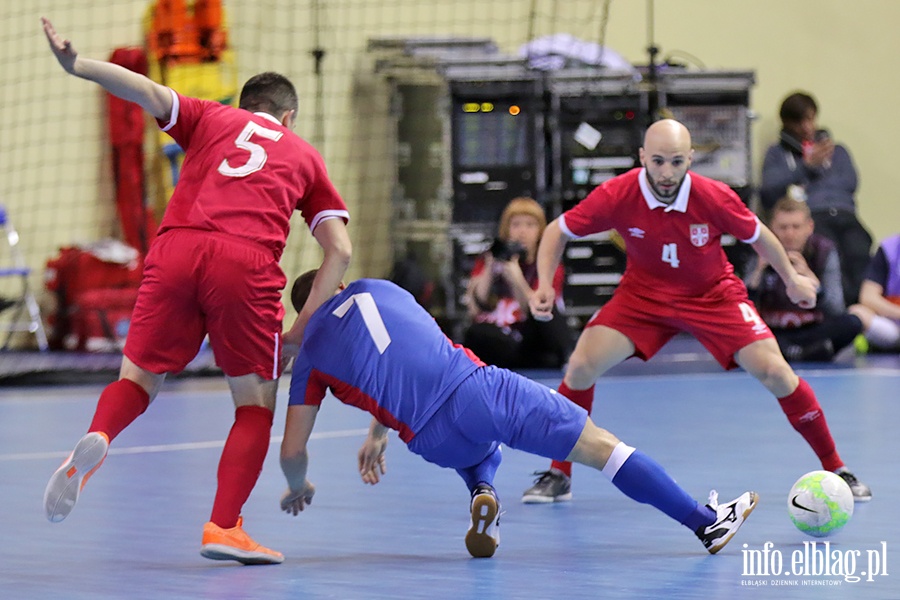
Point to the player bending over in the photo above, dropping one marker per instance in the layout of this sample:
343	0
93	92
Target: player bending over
375	348
678	279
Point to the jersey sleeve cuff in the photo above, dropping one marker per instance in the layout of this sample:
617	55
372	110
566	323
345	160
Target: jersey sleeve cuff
173	118
755	235
328	214
565	228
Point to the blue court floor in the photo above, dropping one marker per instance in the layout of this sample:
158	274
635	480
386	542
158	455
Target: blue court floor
136	530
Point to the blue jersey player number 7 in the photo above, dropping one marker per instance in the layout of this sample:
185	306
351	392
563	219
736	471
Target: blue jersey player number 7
455	411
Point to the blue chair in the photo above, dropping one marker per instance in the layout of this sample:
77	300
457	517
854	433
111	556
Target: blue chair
26	313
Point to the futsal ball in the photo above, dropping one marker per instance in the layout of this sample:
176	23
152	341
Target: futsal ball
820	503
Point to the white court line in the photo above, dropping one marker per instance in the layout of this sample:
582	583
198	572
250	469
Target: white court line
325	435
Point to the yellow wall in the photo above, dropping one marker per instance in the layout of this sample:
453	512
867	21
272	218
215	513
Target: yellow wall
55	163
842	52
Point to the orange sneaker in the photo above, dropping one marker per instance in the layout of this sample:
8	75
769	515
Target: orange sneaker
66	483
235	544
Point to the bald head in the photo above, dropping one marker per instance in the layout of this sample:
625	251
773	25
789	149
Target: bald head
666	156
668	135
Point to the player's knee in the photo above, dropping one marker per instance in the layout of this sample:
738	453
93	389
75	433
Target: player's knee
594	446
149	381
253	390
777	375
582	371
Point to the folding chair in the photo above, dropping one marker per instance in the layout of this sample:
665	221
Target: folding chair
25	302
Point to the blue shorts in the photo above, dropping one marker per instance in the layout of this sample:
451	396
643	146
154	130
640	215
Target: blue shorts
493	406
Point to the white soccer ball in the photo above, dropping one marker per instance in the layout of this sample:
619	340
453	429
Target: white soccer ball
820	503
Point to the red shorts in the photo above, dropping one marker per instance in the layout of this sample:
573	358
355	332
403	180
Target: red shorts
196	283
724	319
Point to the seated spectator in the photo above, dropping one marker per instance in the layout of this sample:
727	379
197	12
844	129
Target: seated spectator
806	156
880	294
806	334
503	332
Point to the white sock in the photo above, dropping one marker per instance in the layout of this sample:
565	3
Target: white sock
618	457
883	332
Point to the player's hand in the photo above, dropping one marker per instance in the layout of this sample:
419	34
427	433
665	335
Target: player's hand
371	459
293	502
541	303
286	361
802	266
62	48
289	351
802	291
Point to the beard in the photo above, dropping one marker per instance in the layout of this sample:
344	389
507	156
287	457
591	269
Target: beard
666	197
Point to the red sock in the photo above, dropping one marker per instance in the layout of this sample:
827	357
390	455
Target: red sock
120	403
241	463
584	399
805	414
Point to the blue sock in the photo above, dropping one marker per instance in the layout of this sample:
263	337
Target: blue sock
643	479
483	472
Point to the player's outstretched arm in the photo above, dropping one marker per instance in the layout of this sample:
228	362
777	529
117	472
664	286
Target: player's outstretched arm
371	455
549	254
298	427
335	242
119	81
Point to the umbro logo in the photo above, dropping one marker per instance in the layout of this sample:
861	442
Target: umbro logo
798	505
810	416
636	232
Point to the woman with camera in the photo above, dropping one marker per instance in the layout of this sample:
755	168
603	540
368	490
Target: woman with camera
503	332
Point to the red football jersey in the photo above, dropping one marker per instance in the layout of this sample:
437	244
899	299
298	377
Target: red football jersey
672	249
245	174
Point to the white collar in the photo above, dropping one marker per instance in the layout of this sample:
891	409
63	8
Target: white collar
681	201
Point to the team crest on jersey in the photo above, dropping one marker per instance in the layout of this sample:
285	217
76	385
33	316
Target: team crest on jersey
699	234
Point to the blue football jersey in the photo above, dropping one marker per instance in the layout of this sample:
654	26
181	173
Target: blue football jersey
376	348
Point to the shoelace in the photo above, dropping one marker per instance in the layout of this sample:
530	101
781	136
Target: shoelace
542	475
849	477
713	499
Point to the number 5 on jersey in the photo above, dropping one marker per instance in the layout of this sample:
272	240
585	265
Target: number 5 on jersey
257	157
371	317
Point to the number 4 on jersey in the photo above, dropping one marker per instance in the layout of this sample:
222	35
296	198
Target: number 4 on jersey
670	254
751	316
371	317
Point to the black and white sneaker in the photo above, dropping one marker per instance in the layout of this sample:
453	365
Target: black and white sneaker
729	518
484	533
550	486
861	492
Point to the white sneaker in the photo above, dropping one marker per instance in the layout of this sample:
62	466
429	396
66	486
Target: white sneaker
861	492
66	483
484	534
729	518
